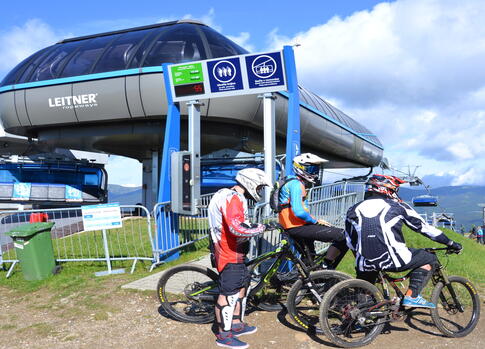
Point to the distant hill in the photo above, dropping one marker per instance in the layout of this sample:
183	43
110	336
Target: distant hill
124	195
461	200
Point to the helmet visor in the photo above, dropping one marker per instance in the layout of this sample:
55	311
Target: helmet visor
312	169
260	190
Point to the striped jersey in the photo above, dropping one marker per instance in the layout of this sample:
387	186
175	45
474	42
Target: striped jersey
229	227
373	230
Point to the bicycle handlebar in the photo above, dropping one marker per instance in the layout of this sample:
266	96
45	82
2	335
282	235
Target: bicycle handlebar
448	250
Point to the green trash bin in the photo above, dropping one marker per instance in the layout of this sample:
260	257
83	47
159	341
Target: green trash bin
33	245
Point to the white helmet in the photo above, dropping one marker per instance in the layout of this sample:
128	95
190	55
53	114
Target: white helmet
307	166
253	180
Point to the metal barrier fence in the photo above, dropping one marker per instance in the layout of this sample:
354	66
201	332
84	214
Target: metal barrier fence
131	242
329	202
136	239
179	230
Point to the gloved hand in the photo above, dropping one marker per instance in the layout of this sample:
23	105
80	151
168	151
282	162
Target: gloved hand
323	222
455	246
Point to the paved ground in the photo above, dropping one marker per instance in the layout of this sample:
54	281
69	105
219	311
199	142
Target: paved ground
149	283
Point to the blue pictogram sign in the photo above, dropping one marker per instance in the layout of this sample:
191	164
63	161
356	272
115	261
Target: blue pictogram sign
225	75
265	70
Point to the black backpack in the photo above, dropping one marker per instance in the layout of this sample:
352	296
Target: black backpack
275	194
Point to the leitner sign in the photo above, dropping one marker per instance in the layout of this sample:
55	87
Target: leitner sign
228	76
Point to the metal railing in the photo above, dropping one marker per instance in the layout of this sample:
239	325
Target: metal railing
133	241
329	202
162	234
178	230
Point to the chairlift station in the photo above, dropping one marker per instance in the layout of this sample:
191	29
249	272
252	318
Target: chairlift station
106	93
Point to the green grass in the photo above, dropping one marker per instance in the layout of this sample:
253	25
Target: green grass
469	264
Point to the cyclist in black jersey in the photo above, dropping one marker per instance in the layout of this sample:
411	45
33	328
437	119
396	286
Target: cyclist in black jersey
373	232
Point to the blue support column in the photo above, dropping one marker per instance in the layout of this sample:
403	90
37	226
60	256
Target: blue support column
293	128
167	222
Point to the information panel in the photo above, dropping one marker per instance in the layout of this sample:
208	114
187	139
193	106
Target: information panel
228	76
98	217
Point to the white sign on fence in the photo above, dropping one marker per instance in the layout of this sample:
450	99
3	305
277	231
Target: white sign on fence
98	217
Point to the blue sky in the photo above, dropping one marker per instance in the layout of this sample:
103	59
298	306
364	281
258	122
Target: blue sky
410	70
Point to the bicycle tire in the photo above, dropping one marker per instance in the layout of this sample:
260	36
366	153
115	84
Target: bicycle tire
271	295
303	306
447	315
174	293
336	313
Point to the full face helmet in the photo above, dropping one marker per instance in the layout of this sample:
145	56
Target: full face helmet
385	185
307	166
253	180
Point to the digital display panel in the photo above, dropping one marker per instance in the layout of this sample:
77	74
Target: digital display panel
189	90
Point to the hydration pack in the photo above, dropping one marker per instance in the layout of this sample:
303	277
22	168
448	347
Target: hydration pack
275	195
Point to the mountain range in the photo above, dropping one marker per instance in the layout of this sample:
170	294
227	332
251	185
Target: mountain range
463	201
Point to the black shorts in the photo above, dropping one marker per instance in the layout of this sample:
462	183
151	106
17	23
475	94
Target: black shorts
419	258
232	278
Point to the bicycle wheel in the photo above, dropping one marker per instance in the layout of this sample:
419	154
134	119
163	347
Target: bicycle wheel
344	316
457	307
270	295
302	303
188	293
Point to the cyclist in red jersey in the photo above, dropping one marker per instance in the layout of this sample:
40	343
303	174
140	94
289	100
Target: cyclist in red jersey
230	232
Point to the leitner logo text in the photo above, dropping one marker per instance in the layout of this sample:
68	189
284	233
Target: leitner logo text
79	101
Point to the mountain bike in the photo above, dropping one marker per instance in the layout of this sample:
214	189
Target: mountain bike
354	312
188	292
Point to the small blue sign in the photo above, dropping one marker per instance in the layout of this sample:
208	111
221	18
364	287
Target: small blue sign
225	75
21	191
265	70
73	193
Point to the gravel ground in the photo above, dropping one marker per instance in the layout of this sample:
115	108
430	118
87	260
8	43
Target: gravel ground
103	318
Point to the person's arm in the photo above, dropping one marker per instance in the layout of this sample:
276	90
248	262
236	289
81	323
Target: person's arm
236	220
297	205
414	221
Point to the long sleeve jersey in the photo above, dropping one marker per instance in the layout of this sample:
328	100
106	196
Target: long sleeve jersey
229	227
297	214
373	230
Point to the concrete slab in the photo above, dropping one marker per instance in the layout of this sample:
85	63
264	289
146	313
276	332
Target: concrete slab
149	283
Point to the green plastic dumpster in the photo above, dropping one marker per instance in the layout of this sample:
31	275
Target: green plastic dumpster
33	245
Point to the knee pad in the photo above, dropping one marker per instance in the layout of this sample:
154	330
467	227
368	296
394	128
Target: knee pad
227	311
242	309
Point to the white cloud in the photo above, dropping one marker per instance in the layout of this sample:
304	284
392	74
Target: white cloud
411	71
124	171
243	40
471	176
19	42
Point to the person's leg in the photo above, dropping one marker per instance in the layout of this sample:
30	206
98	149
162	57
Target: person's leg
422	264
314	232
228	309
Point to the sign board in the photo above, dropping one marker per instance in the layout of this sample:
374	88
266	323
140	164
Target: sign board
228	76
98	217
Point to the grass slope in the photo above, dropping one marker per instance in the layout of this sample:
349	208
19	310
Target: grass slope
469	264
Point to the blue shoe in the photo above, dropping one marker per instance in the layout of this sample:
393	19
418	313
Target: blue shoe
227	340
241	329
418	302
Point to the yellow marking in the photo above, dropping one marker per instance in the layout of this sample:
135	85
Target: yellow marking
160	292
472	288
299	321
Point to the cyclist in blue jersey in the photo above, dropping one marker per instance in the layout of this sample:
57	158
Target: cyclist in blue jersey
295	217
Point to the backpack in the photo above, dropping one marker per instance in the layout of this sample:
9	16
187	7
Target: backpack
275	194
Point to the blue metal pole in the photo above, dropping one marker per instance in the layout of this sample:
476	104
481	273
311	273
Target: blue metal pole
168	233
293	128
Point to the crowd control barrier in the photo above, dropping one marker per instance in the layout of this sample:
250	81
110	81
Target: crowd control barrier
133	241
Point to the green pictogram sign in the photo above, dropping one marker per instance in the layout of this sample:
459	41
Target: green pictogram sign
187	74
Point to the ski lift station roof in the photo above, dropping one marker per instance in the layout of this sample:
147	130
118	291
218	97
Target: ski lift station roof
105	93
